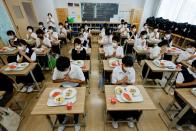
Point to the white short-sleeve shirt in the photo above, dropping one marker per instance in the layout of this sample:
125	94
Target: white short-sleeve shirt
106	41
140	44
33	55
74	73
33	35
119	51
46	42
180	77
118	74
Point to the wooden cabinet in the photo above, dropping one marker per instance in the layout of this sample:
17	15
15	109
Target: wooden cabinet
62	14
135	17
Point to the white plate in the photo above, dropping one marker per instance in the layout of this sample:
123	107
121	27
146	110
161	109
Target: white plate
51	102
193	90
79	63
119	90
133	90
71	91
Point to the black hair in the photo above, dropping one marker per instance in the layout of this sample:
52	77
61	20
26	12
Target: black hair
60	23
116	38
143	33
125	23
39	31
41	23
11	32
168	32
77	40
133	26
62	63
66	21
49	14
163	42
80	34
105	25
22	42
192	44
30	27
50	28
107	31
145	24
156	27
128	61
122	21
193	64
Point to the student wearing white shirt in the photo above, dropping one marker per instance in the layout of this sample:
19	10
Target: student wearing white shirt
53	37
69	30
87	37
140	44
121	24
102	34
188	54
145	28
106	42
154	36
124	75
65	72
50	20
62	33
31	36
168	37
26	54
186	79
117	49
41	26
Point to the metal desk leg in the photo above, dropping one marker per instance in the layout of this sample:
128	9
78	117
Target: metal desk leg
50	122
36	84
145	78
174	74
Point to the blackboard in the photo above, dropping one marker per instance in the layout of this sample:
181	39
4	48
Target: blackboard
98	11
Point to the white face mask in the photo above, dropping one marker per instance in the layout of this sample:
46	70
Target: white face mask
167	36
145	27
50	31
30	30
66	24
134	30
125	26
86	27
49	16
40	26
114	44
145	36
60	26
78	47
22	48
11	37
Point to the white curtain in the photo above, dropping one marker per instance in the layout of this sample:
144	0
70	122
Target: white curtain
178	10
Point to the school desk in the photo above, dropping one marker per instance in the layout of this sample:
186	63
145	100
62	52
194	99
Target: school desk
185	63
88	51
189	99
8	53
43	53
41	107
145	105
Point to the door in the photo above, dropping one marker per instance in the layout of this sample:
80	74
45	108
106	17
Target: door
22	14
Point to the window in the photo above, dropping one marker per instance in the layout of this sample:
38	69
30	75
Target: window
178	10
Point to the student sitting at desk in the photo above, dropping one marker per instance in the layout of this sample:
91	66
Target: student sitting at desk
31	36
102	34
53	37
121	24
78	52
7	86
13	42
124	75
186	79
65	72
132	35
140	44
145	28
117	48
87	37
26	54
188	54
154	36
69	29
84	40
106	42
42	27
168	37
62	34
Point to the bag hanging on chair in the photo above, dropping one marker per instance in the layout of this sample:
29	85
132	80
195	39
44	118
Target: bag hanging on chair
9	120
52	62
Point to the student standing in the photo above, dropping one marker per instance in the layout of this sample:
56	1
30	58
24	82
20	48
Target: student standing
62	33
65	72
124	75
50	20
31	36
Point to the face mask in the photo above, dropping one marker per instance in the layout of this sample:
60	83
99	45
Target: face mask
40	26
49	16
134	30
30	30
126	68
125	26
22	48
167	36
144	36
155	30
66	24
11	37
86	27
145	27
60	26
78	47
114	44
50	31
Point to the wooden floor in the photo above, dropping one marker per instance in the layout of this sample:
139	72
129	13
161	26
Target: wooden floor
95	103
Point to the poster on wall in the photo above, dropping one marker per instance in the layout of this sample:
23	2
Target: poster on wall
74	14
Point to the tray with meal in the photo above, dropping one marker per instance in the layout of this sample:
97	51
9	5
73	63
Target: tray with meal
60	97
16	66
128	94
164	64
113	62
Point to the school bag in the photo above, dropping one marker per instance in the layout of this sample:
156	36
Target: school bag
52	62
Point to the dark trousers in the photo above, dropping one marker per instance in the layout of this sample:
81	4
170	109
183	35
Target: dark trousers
43	61
128	48
189	116
6	98
62	117
123	115
56	49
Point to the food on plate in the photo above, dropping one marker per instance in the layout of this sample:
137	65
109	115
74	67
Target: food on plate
68	93
12	66
56	94
126	96
119	90
59	99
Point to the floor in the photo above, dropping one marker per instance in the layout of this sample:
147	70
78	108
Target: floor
95	104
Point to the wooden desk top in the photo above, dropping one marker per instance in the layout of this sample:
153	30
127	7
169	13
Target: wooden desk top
188	97
185	63
2	93
41	107
101	51
19	73
147	104
139	51
106	66
155	68
44	53
10	53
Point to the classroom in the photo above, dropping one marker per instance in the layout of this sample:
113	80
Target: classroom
97	65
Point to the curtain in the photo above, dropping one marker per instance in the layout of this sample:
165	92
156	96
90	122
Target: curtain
178	10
